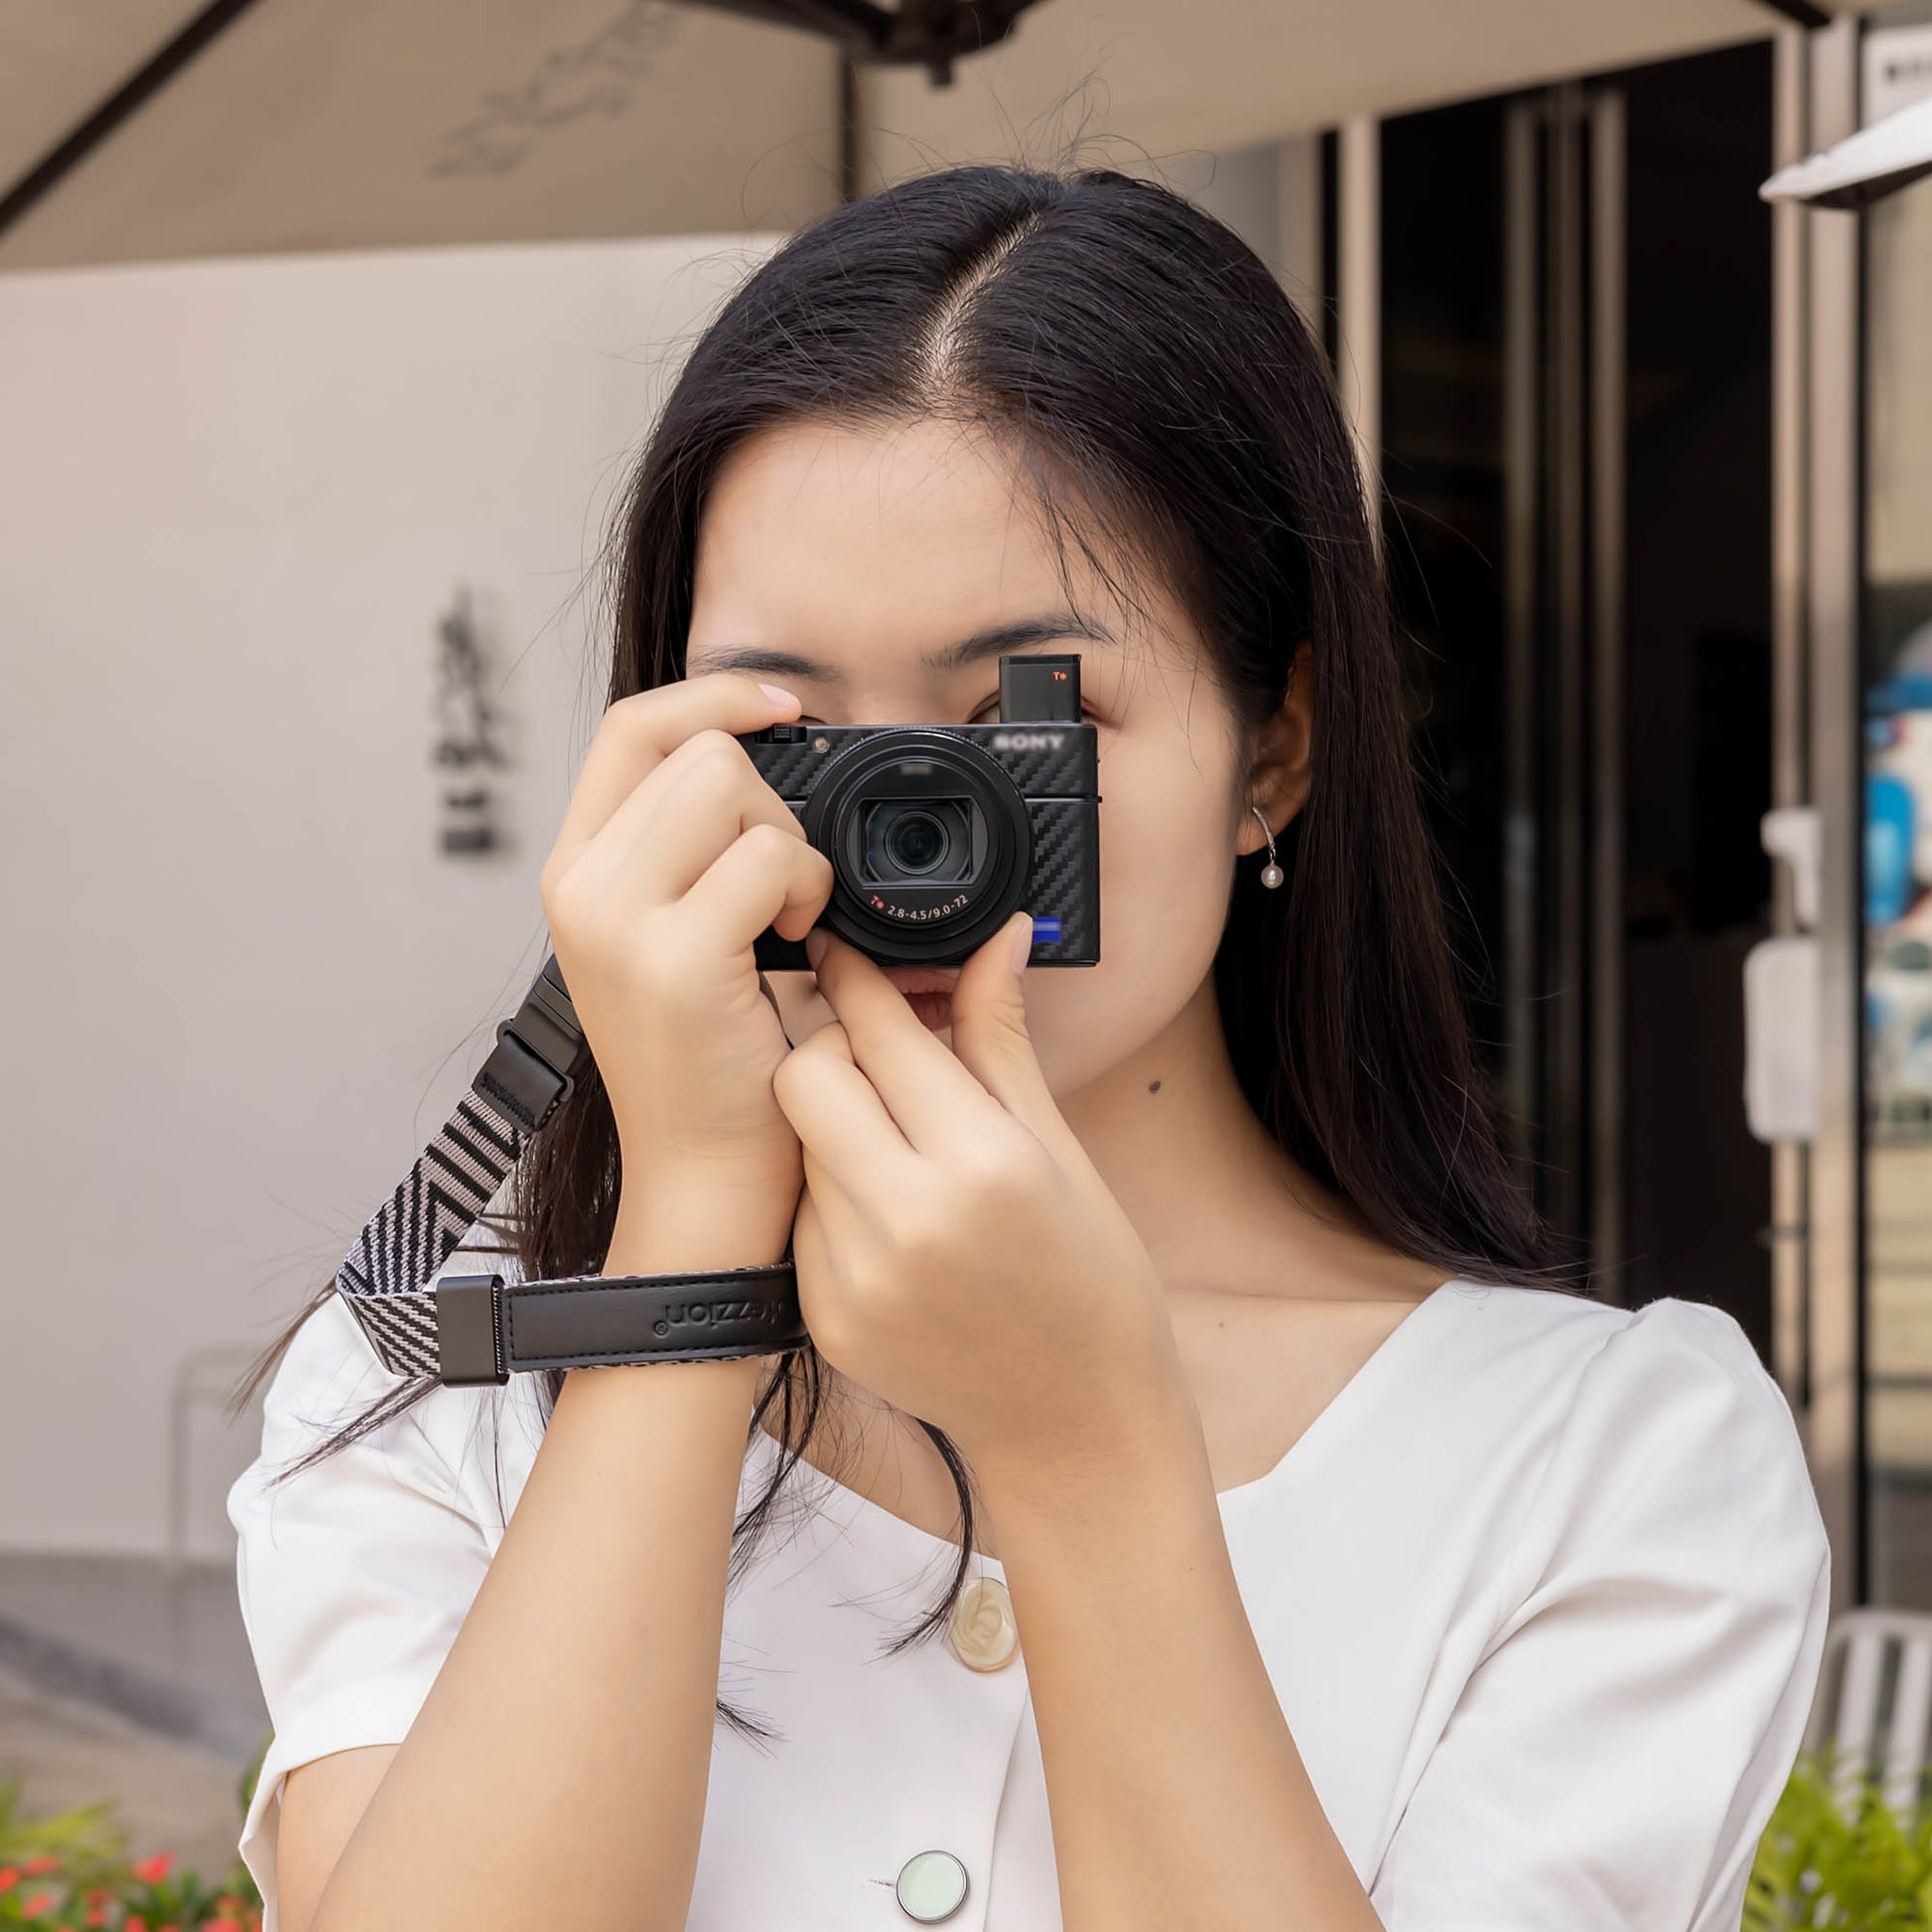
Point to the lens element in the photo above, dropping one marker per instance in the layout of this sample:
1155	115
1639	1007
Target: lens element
917	841
924	841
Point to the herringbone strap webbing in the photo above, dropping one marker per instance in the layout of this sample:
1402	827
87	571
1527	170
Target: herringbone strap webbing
387	1277
419	1227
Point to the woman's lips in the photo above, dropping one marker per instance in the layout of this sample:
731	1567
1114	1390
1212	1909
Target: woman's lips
928	991
934	1009
922	979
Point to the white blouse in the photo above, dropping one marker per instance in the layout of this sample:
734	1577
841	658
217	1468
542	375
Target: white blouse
1542	1591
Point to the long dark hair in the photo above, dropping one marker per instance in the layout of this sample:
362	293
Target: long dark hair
1154	385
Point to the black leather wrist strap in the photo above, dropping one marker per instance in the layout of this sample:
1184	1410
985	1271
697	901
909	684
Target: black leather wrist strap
472	1328
488	1330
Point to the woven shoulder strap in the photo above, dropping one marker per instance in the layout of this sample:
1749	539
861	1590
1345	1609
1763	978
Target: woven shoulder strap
387	1277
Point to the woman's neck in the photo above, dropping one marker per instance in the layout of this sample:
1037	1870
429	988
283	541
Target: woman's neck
1220	1206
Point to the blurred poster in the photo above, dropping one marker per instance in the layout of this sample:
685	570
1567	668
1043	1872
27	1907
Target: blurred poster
1898	71
1898	891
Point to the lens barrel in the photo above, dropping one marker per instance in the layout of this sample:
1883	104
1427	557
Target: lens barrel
931	843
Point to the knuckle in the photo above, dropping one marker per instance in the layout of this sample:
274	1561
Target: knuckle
631	715
768	841
994	1177
554	891
713	745
806	1061
918	1234
791	1075
710	761
558	865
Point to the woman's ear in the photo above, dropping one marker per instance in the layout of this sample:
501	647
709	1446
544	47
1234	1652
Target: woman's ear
1280	760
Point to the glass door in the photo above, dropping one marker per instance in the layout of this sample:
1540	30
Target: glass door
1576	444
1895	669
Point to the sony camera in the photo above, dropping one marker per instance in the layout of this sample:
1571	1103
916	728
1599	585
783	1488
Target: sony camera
938	833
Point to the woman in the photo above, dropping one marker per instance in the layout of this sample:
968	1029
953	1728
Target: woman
1209	1514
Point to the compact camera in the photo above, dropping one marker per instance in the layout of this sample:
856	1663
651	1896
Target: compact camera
938	833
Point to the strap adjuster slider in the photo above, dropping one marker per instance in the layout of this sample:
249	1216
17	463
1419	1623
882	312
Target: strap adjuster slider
469	1330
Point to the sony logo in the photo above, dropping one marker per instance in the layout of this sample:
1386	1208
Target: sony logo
1026	741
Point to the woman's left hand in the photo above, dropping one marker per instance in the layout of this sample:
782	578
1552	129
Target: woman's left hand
957	1253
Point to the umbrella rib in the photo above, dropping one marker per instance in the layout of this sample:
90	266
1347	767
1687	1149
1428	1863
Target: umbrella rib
131	95
859	26
1804	11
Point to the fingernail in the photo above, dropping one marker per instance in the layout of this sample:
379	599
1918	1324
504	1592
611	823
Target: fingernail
815	946
1023	943
777	693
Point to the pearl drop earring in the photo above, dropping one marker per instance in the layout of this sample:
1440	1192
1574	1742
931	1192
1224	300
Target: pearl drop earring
1271	873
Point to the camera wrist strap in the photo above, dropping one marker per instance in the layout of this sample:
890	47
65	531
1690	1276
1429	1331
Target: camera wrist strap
476	1328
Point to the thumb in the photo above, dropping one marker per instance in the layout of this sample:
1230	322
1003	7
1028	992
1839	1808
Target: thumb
989	1027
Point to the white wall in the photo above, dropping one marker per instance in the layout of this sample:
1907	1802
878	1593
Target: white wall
242	983
1898	252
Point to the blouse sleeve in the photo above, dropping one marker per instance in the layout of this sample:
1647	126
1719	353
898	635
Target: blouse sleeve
1614	1755
354	1576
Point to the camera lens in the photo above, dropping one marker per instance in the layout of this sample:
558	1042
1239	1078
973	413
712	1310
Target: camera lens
922	841
930	839
916	842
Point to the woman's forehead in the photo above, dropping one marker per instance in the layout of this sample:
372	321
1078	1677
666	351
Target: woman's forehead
835	542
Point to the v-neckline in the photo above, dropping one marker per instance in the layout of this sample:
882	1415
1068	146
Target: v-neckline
1381	1362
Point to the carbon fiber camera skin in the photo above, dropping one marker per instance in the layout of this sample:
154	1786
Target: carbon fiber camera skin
1016	806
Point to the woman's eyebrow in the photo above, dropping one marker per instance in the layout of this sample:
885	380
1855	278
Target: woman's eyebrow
991	642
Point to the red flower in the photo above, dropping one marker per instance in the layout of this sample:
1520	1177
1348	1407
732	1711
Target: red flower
222	1925
99	1895
9	1877
152	1871
46	1861
134	1922
42	1901
96	1915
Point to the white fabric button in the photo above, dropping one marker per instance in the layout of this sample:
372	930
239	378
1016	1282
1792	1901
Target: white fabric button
982	1632
931	1886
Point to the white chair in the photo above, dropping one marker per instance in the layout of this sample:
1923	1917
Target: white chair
1875	1702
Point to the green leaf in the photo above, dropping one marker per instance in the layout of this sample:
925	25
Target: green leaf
90	1840
1835	1854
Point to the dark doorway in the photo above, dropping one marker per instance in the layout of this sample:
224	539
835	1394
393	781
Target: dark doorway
1576	417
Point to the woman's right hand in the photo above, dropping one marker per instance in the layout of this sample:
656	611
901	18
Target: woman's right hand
673	856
